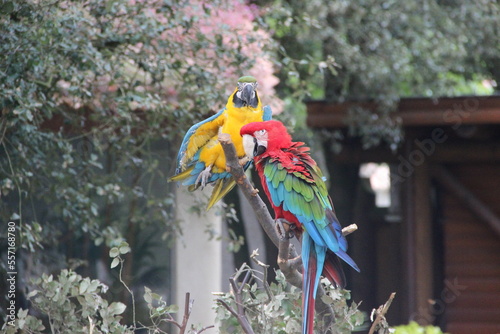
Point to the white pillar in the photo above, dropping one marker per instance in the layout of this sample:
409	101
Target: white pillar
198	260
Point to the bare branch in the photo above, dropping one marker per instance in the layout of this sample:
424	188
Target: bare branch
349	229
380	321
288	266
239	314
188	304
253	256
242	319
264	266
227	307
205	328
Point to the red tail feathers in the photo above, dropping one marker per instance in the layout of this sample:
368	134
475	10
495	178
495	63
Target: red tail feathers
333	270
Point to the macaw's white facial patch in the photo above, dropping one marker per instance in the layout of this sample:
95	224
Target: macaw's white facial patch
255	145
249	145
242	85
246	91
262	137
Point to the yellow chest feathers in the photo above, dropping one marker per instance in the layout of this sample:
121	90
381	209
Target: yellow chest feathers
235	119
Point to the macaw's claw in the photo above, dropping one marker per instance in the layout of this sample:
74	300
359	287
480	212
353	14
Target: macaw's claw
286	230
243	161
204	176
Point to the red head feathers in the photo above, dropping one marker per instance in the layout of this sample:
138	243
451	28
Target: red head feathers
272	135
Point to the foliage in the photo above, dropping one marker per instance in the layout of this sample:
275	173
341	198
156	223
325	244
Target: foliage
415	328
92	97
71	304
383	50
277	308
98	83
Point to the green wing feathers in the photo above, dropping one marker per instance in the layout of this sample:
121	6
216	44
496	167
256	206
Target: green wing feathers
300	192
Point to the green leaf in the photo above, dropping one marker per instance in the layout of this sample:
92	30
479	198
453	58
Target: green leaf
172	308
147	295
124	249
116	308
114	252
32	293
115	262
84	285
93	286
22	313
98	241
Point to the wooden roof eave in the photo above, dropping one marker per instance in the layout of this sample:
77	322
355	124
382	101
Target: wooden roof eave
413	112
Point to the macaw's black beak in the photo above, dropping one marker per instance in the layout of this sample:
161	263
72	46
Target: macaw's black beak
247	93
249	96
259	149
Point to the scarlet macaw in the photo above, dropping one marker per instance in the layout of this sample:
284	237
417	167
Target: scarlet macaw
201	159
295	187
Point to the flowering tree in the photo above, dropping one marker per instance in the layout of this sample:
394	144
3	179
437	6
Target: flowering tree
93	95
114	75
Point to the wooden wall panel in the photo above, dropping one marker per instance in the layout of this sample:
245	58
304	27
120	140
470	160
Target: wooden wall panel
472	253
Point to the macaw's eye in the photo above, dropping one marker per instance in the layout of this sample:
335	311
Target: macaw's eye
241	85
260	132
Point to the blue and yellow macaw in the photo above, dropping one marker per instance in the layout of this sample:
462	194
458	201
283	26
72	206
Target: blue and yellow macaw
297	192
201	160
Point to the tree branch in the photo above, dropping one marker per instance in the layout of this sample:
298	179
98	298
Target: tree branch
264	266
349	229
288	266
380	321
188	305
239	314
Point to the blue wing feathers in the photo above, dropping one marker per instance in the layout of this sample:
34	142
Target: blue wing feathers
321	254
313	232
331	240
343	255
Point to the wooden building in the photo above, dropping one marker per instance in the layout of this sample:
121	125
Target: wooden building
438	243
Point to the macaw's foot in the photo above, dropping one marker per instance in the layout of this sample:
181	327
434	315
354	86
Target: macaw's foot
286	230
204	176
243	161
